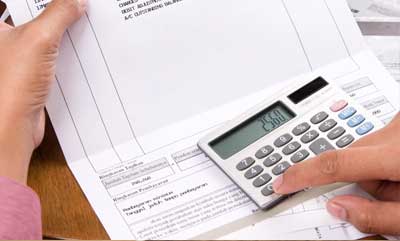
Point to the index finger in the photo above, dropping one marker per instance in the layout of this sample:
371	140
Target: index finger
348	165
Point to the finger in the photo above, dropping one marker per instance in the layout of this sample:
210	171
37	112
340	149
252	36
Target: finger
348	165
371	217
382	190
57	17
4	26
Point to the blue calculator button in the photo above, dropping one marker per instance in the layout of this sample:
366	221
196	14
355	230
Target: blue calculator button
356	120
347	113
365	128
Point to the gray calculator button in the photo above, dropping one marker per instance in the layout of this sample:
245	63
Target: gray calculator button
345	141
264	152
244	164
268	190
262	180
309	136
301	129
320	117
300	156
283	140
272	160
336	133
253	172
327	125
321	145
281	168
291	148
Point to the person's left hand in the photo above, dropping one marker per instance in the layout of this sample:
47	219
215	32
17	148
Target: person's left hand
26	76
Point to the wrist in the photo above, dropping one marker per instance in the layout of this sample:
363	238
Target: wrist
16	148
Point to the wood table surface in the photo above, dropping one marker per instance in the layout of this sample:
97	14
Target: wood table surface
66	212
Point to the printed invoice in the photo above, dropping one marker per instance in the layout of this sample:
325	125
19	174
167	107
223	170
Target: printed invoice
140	81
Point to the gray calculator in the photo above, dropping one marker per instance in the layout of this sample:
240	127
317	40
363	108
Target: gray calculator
302	121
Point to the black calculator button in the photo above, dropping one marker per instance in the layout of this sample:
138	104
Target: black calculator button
321	145
301	129
327	125
309	136
245	164
320	117
336	133
281	168
253	172
291	148
300	156
268	190
264	152
345	141
262	180
283	140
272	160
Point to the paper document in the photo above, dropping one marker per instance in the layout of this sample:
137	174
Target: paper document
139	82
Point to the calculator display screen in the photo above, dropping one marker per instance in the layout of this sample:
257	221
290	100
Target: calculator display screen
252	130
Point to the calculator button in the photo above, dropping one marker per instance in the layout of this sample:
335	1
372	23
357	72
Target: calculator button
280	168
268	190
356	120
309	136
365	128
246	163
321	145
338	106
320	117
345	141
301	129
327	125
336	133
253	172
272	160
300	156
262	180
264	152
291	148
283	140
347	113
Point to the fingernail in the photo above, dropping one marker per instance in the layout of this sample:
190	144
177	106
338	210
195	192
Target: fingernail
278	183
337	210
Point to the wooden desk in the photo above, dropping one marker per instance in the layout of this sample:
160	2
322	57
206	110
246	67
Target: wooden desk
65	210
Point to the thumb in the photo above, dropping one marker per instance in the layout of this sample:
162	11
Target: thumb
58	16
371	217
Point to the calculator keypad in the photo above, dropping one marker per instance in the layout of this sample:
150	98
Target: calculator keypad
264	152
272	160
291	148
280	168
262	180
253	172
245	164
301	129
309	136
300	156
283	140
312	141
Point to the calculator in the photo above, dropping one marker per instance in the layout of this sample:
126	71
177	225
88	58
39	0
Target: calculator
303	120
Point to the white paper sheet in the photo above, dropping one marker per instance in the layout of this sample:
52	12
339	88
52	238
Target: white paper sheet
138	82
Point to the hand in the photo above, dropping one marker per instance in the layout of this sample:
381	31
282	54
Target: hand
374	163
25	78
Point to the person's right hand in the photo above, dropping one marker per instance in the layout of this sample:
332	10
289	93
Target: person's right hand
374	163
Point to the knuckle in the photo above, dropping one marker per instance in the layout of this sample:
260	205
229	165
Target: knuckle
366	223
328	163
